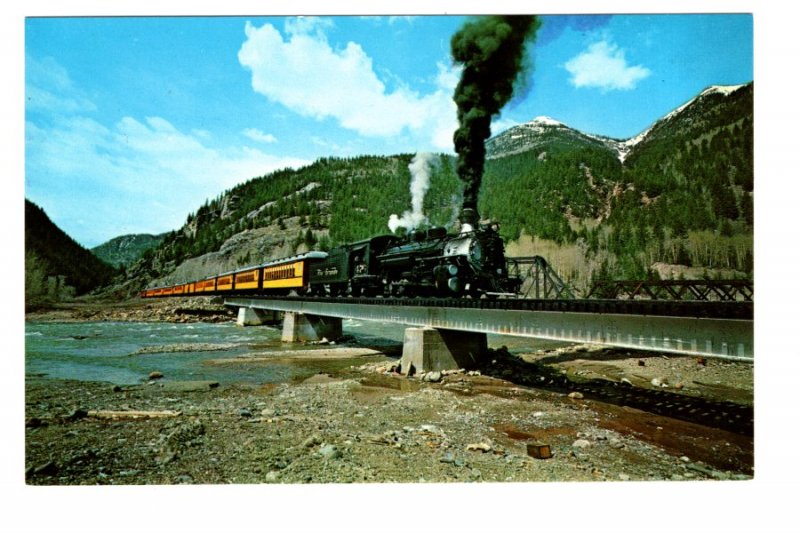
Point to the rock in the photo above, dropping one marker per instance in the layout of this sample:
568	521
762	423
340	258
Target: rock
184	479
272	476
433	377
616	443
269	412
581	443
448	458
245	412
312	441
190	386
330	451
155	375
480	446
656	382
185	433
77	414
116	388
624	477
641	363
575	395
685	459
679	386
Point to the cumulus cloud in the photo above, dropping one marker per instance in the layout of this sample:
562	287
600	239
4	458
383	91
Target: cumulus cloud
137	176
99	181
303	72
260	136
603	66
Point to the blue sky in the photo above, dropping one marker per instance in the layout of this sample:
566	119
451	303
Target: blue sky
131	123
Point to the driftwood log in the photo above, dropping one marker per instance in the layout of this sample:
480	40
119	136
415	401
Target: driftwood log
133	414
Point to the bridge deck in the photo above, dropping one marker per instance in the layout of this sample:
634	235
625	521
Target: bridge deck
712	329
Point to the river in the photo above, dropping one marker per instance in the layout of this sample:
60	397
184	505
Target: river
127	352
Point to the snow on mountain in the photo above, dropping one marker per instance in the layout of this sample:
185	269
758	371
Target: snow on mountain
526	136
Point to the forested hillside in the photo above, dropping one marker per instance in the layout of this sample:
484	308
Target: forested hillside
57	267
676	198
124	250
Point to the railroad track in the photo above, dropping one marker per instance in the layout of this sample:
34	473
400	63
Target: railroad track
728	416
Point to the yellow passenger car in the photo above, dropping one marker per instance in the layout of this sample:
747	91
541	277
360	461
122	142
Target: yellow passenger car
247	279
284	276
206	285
225	282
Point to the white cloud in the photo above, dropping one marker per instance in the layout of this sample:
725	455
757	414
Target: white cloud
500	125
305	74
49	88
137	176
97	181
603	65
260	136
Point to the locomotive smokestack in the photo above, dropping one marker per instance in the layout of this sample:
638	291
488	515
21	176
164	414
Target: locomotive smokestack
468	218
492	51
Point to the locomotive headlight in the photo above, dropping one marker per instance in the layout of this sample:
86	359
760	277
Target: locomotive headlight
452	270
476	254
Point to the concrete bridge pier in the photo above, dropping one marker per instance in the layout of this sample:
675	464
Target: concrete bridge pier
300	327
427	349
249	316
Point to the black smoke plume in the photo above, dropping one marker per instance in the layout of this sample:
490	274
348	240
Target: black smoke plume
492	52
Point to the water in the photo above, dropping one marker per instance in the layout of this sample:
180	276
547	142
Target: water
114	351
119	352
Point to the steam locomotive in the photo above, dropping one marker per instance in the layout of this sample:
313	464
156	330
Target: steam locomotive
423	263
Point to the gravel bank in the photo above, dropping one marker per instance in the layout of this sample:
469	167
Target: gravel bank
362	424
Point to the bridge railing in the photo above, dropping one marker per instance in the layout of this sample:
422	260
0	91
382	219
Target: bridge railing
698	290
539	280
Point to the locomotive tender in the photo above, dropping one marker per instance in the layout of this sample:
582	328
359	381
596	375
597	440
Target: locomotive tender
424	263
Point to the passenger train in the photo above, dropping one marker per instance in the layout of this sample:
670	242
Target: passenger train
423	263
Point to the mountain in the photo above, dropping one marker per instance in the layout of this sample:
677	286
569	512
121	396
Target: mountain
56	266
544	133
674	200
124	250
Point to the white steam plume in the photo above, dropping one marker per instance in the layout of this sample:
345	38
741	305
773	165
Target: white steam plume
420	168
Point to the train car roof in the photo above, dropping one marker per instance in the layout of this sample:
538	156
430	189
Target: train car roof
307	255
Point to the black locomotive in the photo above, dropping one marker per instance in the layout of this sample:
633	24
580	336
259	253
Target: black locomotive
424	263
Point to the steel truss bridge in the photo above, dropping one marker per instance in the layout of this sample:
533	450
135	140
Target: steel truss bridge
702	290
711	328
